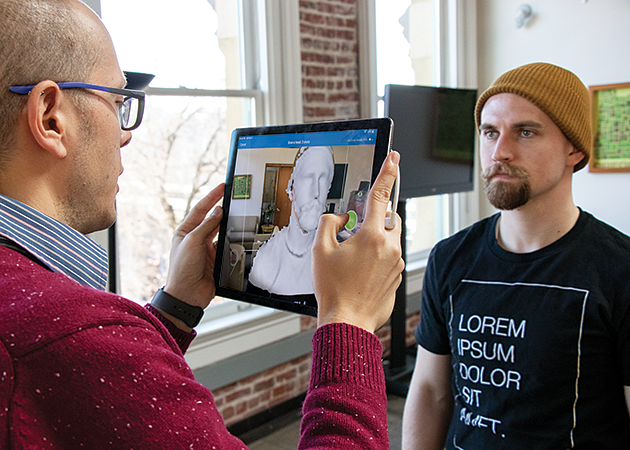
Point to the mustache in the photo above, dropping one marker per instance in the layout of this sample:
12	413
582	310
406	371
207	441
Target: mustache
318	207
503	169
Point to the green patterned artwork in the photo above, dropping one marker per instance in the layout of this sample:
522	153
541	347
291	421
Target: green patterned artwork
242	186
611	128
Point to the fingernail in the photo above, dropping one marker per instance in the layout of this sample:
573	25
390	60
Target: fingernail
395	157
216	211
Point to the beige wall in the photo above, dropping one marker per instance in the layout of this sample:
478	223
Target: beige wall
589	38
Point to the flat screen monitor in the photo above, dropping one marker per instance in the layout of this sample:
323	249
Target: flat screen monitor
434	132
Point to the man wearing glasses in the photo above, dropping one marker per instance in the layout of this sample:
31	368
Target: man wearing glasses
80	367
85	185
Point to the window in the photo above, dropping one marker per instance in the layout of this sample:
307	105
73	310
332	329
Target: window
405	53
416	42
203	88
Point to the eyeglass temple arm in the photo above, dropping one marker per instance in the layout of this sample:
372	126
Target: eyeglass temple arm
70	84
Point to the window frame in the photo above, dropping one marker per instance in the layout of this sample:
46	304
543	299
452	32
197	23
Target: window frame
456	55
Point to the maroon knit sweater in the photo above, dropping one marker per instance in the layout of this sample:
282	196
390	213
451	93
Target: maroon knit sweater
81	368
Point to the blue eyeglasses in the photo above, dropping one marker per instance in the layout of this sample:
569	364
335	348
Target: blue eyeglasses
130	111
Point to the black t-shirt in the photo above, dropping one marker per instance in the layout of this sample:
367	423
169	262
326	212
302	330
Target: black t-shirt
540	342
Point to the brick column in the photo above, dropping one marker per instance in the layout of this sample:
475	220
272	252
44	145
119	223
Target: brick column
330	81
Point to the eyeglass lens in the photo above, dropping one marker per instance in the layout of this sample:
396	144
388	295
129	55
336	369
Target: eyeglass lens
128	112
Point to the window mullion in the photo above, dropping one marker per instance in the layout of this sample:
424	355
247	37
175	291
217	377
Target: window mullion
281	72
185	92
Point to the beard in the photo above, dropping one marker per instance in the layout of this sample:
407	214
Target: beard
89	201
505	195
308	216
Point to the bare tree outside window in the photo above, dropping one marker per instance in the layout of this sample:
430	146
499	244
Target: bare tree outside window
174	159
180	151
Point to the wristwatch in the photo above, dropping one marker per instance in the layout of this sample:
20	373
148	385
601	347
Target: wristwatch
190	315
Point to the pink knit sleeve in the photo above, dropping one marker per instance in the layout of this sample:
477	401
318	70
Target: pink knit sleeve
346	404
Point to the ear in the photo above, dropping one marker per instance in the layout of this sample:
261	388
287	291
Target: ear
574	157
289	190
46	117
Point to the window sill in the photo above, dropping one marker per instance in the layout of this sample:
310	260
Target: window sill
238	333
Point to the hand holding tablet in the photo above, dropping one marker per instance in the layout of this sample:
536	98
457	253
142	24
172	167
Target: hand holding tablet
355	280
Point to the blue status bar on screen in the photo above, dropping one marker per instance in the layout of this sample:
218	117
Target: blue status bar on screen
348	137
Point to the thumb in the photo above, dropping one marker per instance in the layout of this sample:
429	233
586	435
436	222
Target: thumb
378	197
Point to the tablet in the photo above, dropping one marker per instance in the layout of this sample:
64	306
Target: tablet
280	180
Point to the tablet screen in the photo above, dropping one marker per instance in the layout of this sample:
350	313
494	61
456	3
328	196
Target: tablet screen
280	181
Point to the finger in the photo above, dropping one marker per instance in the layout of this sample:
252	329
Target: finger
328	228
211	243
378	197
201	209
209	227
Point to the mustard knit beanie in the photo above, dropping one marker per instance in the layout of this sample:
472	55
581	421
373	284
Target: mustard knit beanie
557	92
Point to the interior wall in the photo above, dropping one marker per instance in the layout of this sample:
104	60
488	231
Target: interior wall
588	37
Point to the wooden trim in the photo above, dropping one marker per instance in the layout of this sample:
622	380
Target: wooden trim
593	163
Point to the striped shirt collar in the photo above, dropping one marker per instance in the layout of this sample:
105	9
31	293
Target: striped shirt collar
56	245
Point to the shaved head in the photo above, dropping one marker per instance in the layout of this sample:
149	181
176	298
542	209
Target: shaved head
41	40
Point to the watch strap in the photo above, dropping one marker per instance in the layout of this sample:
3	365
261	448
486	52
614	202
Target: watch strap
190	315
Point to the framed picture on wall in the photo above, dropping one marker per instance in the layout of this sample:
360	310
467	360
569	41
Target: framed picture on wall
611	128
242	186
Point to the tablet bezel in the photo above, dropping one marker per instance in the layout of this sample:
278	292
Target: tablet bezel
382	147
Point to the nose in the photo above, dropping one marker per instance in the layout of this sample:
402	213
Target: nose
125	138
503	149
321	188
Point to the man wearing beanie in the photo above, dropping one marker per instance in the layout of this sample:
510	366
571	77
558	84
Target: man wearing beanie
524	336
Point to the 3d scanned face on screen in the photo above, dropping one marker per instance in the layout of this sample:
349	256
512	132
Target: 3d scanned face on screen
309	186
283	264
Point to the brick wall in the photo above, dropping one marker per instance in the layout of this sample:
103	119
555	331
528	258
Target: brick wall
330	75
244	398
